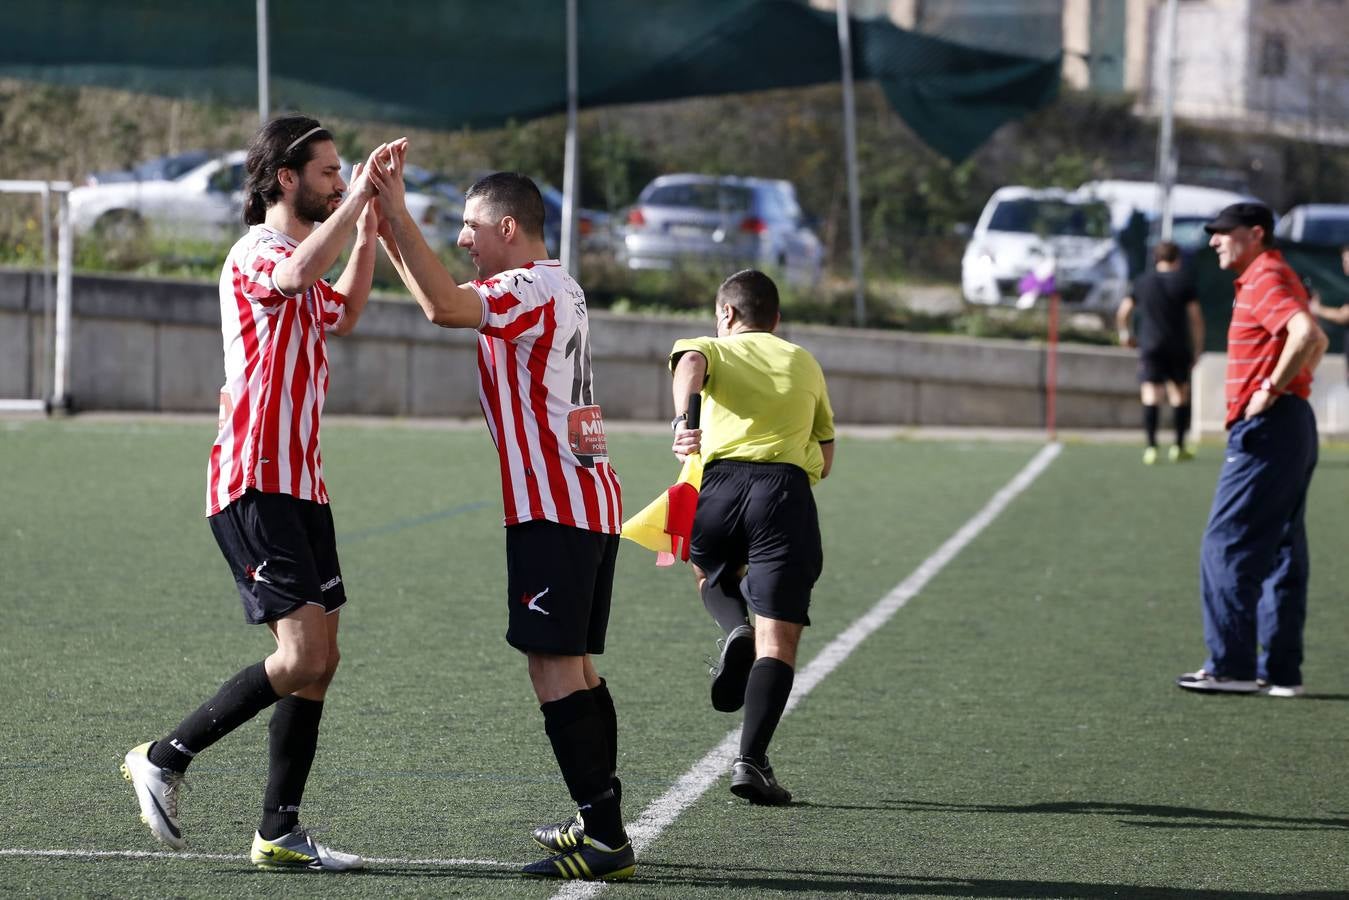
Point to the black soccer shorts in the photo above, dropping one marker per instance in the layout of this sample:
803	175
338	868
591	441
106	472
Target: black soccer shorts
283	553
763	515
559	581
1161	367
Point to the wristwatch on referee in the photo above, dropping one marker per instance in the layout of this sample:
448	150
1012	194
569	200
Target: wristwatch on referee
678	420
1267	385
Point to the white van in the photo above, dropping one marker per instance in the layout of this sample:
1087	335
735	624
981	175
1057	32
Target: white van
1191	206
1022	228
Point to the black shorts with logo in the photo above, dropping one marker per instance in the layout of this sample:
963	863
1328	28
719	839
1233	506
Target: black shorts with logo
283	553
762	515
559	580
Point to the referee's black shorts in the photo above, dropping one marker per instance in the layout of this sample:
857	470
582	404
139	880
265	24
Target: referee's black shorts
559	580
282	552
762	515
1161	366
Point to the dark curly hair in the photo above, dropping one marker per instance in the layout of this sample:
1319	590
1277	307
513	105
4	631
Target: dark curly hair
285	142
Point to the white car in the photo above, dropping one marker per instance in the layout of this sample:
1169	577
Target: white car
206	203
1024	231
1191	206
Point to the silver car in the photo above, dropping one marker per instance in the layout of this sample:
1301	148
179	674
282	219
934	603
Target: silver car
721	223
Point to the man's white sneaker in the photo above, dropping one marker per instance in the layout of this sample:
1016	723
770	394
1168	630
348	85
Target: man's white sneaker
299	850
157	791
1279	690
1207	681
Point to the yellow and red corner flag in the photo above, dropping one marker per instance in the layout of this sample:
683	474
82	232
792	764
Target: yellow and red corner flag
666	524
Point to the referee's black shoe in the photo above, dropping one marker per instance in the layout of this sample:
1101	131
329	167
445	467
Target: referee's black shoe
753	780
730	673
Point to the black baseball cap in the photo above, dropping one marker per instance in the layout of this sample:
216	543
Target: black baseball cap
1242	215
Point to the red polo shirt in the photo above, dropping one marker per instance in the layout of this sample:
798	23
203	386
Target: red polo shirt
1268	293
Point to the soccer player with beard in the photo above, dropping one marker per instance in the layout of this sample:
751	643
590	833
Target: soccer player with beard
266	500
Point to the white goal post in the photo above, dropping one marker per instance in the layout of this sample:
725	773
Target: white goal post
54	386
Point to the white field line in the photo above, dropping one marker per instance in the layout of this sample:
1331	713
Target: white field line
239	857
710	769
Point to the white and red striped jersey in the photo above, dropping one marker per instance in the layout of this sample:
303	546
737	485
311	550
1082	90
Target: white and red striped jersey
535	386
276	376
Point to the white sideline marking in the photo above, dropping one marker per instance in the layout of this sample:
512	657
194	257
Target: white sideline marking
710	769
242	857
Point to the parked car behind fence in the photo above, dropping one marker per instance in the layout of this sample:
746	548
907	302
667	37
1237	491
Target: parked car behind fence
1316	223
723	223
206	203
1021	227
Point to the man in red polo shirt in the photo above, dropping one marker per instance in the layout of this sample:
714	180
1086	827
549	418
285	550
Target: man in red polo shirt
1253	562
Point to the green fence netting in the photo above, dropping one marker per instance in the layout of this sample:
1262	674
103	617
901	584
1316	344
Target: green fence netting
456	63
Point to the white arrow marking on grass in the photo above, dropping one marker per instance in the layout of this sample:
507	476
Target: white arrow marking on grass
709	770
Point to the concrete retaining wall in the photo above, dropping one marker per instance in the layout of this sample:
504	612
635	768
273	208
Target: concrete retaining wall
142	344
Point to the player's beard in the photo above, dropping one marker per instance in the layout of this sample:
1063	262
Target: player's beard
312	206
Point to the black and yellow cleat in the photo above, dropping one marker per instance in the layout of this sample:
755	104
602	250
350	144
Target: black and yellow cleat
561	836
587	863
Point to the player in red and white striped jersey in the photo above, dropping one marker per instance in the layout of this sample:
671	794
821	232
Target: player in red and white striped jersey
266	501
562	501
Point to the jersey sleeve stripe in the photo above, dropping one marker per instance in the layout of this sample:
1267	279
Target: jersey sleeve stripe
512	330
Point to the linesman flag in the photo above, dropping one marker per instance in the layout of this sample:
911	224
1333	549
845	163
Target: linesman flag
666	524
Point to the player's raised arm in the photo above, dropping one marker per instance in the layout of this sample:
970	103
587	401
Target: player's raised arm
444	301
317	252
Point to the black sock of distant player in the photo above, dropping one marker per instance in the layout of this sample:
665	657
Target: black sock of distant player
726	604
576	730
1182	414
770	684
293	736
1151	416
238	700
605	704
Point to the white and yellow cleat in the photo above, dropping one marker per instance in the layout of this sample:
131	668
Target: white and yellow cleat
298	850
157	792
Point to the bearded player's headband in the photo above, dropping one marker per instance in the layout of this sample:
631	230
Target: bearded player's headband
302	138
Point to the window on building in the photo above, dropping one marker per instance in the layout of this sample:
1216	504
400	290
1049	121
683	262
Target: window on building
1274	56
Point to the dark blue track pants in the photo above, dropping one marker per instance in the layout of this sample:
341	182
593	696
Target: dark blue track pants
1253	566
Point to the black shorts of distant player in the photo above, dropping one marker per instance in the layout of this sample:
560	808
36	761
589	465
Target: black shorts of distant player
1161	366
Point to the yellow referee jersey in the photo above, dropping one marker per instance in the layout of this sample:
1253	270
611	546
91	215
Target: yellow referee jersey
764	400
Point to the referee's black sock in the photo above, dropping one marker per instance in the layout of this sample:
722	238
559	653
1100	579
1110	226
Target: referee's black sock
770	684
293	737
605	704
238	700
1182	416
577	732
1151	415
725	603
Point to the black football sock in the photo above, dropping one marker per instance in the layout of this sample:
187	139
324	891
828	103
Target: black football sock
770	684
1182	416
725	603
238	700
605	704
1151	416
576	730
293	736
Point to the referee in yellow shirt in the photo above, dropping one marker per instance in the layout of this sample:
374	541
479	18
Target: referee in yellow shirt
768	438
